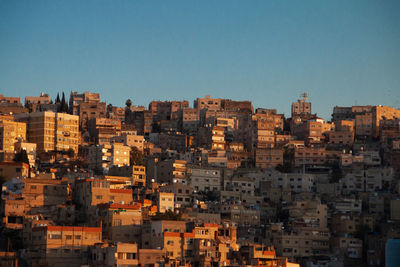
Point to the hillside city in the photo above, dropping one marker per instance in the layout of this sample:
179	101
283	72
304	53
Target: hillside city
216	183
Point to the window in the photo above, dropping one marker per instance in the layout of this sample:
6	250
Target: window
130	256
55	236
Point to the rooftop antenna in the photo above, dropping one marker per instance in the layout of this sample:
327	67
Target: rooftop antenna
304	96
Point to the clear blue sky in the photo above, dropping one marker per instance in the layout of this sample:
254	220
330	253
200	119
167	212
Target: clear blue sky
341	52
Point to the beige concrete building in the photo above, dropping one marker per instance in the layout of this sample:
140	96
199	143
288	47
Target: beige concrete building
30	149
121	222
350	247
190	120
301	107
309	156
120	155
165	201
131	140
91	192
102	130
218	138
268	157
11	132
208	103
34	102
103	157
136	172
205	178
10	99
183	194
381	113
52	131
302	242
86	105
118	254
62	245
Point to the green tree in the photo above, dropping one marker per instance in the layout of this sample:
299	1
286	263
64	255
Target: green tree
168	215
2	180
209	195
57	99
70	153
136	157
22	156
64	106
128	103
285	168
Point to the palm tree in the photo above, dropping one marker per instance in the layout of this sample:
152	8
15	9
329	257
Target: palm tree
128	103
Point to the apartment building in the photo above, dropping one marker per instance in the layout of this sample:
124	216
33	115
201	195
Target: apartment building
165	202
264	134
173	140
368	180
382	113
238	106
136	172
130	139
167	110
345	138
301	242
102	130
87	105
10	99
62	245
91	192
351	223
296	182
309	156
218	138
103	157
114	254
183	194
208	103
121	222
301	107
52	131
350	247
205	178
120	155
190	120
268	157
243	185
35	102
238	213
10	133
312	131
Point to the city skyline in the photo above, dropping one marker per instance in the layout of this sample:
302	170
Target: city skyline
340	53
